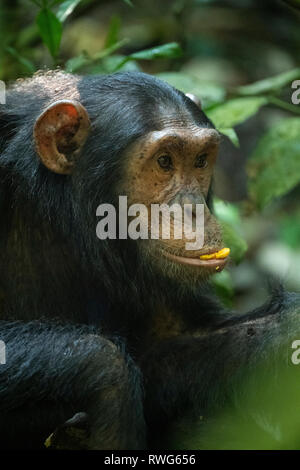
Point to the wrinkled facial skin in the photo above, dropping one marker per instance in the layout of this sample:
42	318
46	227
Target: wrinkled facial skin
184	178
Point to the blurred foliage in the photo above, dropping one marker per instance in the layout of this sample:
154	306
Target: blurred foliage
277	153
229	217
262	414
210	93
234	112
290	230
240	58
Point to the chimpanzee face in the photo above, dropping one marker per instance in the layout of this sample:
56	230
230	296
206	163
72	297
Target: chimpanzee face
175	166
172	166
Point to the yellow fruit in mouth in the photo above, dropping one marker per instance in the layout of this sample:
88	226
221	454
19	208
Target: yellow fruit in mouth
211	256
221	254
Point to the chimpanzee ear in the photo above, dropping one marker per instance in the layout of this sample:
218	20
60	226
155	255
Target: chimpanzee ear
59	133
195	99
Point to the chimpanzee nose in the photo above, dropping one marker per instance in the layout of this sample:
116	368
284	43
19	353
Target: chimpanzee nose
183	197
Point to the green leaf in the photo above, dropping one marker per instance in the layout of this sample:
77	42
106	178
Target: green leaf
50	29
274	166
129	3
227	212
76	63
29	66
233	240
229	217
113	31
66	9
84	60
110	63
289	230
209	93
169	51
223	286
271	84
284	104
234	111
231	134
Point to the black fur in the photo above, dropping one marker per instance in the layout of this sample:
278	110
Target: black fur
75	311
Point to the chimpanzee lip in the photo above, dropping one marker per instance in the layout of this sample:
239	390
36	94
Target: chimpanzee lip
216	264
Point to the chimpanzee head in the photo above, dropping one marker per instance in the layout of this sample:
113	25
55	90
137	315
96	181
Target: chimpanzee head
126	134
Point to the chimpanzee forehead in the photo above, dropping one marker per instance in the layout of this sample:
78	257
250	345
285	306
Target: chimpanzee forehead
187	137
185	134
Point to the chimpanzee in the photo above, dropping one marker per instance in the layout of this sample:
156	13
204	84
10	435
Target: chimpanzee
110	341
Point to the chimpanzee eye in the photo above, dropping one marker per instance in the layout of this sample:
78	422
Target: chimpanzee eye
201	161
165	162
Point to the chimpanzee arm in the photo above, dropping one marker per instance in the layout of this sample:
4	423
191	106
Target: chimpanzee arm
198	371
54	371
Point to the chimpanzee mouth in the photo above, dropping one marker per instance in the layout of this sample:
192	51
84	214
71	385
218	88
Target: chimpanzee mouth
215	261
